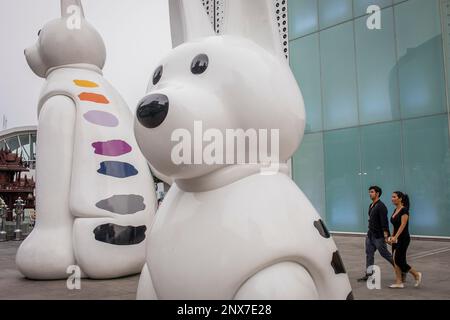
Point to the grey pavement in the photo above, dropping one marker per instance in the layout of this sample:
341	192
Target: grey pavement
14	286
432	258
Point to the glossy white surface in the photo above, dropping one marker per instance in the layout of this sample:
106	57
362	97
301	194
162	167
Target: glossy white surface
208	245
75	197
227	231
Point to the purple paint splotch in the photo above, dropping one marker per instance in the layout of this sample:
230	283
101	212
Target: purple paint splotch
101	118
112	148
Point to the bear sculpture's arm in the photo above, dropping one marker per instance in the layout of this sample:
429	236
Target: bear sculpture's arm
46	254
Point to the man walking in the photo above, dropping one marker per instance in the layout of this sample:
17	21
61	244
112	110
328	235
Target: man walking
378	233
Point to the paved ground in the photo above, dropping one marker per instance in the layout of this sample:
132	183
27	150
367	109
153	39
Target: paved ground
14	286
430	257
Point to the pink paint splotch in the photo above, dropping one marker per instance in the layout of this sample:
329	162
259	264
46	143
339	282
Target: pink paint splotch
112	148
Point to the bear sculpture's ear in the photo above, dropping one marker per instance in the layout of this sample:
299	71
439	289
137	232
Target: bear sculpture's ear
188	21
254	20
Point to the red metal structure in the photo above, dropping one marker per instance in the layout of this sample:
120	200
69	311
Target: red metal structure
12	184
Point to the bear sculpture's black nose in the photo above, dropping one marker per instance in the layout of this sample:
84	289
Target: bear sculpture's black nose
152	110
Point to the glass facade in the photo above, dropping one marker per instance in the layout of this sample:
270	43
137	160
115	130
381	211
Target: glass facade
24	144
376	105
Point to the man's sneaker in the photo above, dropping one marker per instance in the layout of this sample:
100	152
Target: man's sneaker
365	278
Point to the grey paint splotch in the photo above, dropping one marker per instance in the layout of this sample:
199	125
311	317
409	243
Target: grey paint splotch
122	204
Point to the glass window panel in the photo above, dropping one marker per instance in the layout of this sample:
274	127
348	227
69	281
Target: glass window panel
3	145
13	143
420	64
360	6
305	64
381	154
377	76
308	170
445	18
302	17
25	142
343	181
338	77
427	174
332	12
24	139
33	147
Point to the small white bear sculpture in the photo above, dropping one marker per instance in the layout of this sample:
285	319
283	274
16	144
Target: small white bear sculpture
230	230
95	193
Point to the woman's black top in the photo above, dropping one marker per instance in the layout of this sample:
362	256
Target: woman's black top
397	222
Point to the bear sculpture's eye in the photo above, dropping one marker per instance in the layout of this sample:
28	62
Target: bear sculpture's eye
200	64
39	32
157	75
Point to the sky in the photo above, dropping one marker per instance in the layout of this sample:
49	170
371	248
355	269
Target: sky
136	34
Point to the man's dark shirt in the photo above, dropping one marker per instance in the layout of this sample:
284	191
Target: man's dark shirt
378	220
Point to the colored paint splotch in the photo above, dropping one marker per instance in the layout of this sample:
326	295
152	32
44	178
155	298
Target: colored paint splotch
93	97
112	148
85	83
101	118
122	204
117	169
120	235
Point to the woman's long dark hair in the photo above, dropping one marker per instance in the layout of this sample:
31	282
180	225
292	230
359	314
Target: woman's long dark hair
404	198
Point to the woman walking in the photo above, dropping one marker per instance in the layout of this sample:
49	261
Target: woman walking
401	239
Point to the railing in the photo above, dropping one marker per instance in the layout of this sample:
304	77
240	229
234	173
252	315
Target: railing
19	188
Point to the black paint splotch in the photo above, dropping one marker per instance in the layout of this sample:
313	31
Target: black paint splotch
320	226
120	235
337	263
117	169
122	204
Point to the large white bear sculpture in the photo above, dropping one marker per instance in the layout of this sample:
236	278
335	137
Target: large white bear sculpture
230	231
95	193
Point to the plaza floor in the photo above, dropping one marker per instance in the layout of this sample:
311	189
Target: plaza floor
432	258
